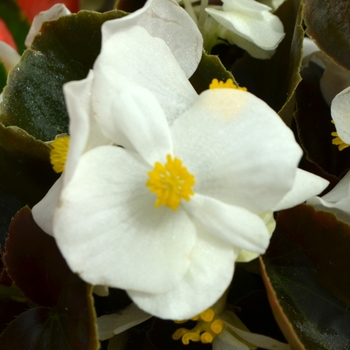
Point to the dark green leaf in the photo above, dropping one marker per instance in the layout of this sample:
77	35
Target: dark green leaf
65	318
209	68
327	23
65	50
307	266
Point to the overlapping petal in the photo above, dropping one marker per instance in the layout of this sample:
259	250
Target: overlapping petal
119	66
235	225
248	157
163	18
140	123
251	26
109	232
210	272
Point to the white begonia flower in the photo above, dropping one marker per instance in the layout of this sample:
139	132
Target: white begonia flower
106	216
215	325
250	25
105	222
162	18
9	56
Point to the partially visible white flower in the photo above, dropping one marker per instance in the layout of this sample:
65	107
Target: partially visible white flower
334	78
250	25
337	200
335	88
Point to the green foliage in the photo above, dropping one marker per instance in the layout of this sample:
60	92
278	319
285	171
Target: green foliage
65	50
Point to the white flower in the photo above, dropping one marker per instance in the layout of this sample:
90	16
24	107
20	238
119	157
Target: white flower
250	25
335	88
163	19
230	160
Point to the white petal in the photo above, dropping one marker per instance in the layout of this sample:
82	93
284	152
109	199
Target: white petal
234	225
44	210
139	119
226	341
337	198
84	132
269	221
210	273
119	66
231	321
306	185
251	21
340	114
56	11
238	149
8	55
108	230
110	325
166	20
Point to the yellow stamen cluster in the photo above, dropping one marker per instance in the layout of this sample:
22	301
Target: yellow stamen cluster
339	142
58	154
171	183
207	328
216	84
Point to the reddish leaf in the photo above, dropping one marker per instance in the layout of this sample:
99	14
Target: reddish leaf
32	8
65	318
327	23
308	252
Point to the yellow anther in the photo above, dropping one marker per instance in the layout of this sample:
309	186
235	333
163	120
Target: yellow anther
58	154
171	183
207	315
217	326
179	333
206	338
190	336
339	142
207	328
216	84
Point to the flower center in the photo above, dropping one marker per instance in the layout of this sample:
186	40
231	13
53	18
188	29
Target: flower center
207	328
338	141
171	182
216	84
58	154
